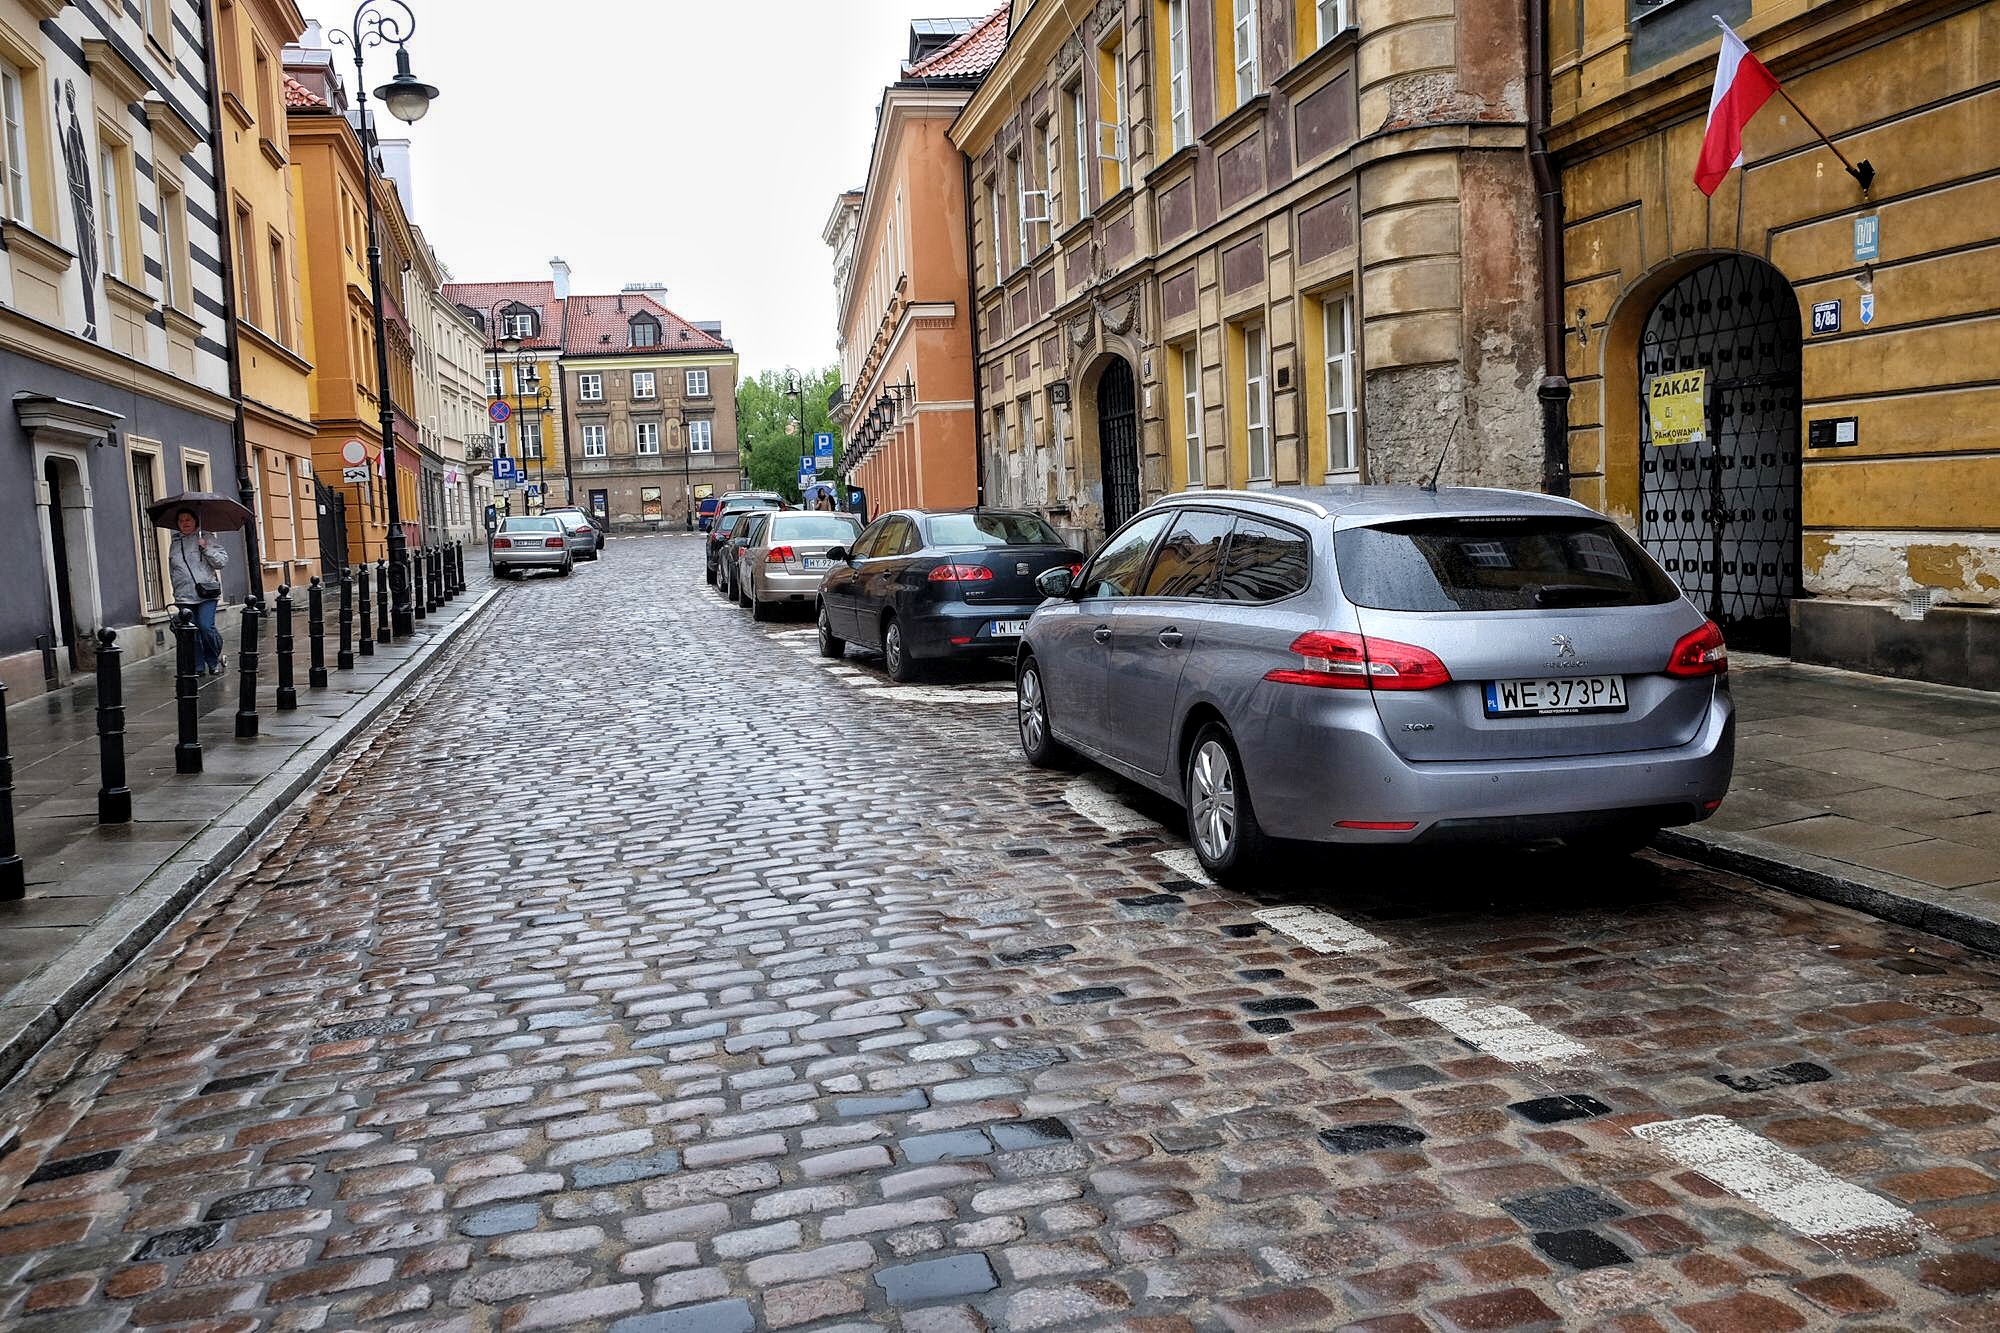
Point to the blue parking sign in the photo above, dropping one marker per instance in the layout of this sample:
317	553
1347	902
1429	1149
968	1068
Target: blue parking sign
823	449
503	469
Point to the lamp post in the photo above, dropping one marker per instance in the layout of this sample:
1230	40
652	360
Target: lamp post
687	468
381	23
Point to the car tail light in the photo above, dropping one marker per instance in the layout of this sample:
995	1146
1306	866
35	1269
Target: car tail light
1699	653
782	554
503	543
555	543
1374	826
1356	662
961	574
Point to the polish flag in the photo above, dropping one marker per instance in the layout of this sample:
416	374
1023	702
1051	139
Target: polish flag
1742	85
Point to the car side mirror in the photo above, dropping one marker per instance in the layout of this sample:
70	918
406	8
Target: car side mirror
840	553
1056	582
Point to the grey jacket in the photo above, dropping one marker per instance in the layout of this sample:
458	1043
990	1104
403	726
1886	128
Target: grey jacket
190	563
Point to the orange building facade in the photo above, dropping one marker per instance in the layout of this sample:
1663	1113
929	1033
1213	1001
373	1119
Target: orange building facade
905	329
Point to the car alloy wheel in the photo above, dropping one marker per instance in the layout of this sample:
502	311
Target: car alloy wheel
895	654
830	644
1212	800
1032	710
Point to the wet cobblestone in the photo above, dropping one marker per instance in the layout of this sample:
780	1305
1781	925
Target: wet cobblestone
872	1027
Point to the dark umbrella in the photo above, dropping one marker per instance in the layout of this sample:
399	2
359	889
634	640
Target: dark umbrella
214	513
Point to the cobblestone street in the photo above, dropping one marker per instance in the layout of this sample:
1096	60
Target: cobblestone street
730	989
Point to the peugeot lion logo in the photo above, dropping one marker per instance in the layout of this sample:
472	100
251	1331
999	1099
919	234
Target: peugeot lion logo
1564	646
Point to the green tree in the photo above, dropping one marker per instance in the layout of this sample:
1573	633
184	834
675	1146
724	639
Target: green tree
767	424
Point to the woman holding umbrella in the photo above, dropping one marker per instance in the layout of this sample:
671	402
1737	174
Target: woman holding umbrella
196	561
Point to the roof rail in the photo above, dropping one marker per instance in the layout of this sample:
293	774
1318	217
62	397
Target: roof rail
1312	507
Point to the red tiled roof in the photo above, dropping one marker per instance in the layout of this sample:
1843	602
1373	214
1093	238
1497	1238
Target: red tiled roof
597	326
486	297
297	94
971	55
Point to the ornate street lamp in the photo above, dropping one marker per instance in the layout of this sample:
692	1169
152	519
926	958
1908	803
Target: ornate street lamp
383	23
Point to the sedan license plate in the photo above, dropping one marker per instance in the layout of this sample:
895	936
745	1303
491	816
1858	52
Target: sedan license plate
818	562
1555	695
1009	629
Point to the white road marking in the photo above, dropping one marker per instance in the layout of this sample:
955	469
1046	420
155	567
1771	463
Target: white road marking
1183	862
1783	1184
1102	808
1322	932
1503	1032
940	694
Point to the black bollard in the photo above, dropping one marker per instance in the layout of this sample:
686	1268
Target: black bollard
13	875
246	699
419	582
382	627
288	694
430	579
316	634
114	798
345	660
458	563
437	575
187	696
367	618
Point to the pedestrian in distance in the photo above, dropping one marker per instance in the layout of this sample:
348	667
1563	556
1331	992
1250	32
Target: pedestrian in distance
196	560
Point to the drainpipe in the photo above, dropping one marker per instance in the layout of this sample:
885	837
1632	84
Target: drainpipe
972	326
225	217
1554	388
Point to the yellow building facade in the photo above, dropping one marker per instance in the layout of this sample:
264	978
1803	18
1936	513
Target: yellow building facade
1846	499
260	222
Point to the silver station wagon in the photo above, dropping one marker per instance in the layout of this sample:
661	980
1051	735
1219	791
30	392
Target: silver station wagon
1383	664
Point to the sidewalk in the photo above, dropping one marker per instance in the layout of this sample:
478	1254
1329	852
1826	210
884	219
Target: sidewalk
98	894
1880	794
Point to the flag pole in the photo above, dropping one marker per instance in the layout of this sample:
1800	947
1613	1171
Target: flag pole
1863	173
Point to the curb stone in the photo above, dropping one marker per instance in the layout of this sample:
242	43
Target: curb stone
36	1013
1886	897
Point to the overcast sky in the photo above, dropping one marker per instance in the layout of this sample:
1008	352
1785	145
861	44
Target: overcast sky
682	141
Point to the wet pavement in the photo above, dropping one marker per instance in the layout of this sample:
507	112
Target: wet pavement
727	989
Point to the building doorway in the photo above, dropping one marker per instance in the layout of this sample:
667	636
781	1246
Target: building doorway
1118	443
1723	515
72	559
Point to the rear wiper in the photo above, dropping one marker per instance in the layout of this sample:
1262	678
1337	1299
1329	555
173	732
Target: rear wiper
1576	594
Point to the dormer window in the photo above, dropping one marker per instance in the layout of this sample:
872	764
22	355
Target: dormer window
519	321
645	331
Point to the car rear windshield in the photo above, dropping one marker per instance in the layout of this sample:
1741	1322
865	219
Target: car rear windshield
536	524
991	530
1525	563
815	527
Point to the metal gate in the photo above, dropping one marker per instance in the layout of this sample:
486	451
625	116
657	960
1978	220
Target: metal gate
1118	444
1722	515
332	529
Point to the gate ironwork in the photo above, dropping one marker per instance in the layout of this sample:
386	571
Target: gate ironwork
1118	444
1722	515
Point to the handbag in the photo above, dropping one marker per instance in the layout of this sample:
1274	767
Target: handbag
205	590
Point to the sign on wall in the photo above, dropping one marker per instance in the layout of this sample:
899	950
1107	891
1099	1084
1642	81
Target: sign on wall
1677	408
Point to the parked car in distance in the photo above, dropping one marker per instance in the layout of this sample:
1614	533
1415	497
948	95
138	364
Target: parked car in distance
921	586
728	568
732	504
529	541
1383	664
585	541
784	560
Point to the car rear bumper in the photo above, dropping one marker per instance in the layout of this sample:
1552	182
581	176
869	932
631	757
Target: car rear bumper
532	557
964	629
1314	765
769	585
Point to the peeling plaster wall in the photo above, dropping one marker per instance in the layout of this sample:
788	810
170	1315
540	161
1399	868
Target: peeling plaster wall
1963	567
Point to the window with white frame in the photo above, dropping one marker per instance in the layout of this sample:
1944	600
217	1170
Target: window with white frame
1116	131
646	436
701	437
1080	118
1245	40
1051	167
1257	401
1179	109
590	388
1022	231
642	384
1333	19
1342	454
493	387
697	384
109	205
521	325
645	331
531	439
997	216
16	198
1197	455
527	378
593	441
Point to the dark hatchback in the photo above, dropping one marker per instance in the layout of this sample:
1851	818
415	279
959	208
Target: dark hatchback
725	522
925	586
